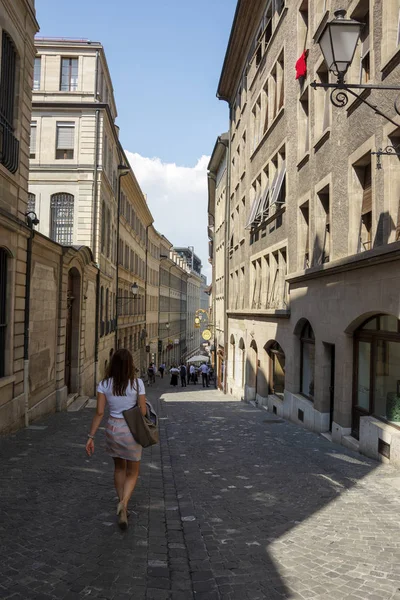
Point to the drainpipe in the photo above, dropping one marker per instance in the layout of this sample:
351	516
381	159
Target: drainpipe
96	333
29	245
94	238
227	238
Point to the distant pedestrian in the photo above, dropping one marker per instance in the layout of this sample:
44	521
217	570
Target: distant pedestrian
204	374
151	374
174	371
161	368
192	374
121	390
183	375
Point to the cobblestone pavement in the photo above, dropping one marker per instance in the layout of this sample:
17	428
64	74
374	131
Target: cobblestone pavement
233	504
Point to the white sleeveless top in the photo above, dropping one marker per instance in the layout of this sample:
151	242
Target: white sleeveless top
118	404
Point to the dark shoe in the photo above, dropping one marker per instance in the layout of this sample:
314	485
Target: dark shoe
122	516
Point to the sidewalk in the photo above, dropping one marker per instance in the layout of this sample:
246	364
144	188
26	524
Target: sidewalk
234	504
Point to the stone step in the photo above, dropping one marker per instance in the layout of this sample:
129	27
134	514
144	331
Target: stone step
71	398
92	403
327	435
78	404
351	443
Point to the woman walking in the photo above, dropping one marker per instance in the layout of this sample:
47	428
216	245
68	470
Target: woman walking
174	375
121	390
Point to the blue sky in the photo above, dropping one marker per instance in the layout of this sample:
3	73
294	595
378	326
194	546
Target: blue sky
165	60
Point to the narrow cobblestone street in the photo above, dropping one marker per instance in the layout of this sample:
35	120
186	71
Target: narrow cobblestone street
233	504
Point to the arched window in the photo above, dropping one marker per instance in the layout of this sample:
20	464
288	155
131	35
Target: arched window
9	144
3	308
377	370
62	218
277	369
307	371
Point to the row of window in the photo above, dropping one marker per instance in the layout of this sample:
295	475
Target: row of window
131	261
128	212
130	306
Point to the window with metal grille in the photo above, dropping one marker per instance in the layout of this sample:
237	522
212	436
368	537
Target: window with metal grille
36	73
3	308
62	218
65	140
9	145
32	148
69	75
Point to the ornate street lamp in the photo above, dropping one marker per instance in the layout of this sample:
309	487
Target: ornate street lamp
338	42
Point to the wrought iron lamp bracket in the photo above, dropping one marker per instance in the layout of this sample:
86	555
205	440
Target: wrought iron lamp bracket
340	92
388	151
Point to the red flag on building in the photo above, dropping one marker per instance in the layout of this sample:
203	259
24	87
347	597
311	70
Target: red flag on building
301	65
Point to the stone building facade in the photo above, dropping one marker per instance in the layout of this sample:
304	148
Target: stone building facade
217	207
18	27
174	276
313	329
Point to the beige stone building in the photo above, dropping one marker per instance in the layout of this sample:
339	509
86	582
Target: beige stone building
78	168
313	256
18	26
217	231
46	291
134	269
174	276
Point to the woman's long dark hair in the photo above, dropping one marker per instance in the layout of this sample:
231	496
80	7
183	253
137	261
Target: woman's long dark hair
122	371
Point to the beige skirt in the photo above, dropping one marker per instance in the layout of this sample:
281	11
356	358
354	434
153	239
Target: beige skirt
120	443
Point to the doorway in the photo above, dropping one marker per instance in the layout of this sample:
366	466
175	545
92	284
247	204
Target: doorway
72	345
332	386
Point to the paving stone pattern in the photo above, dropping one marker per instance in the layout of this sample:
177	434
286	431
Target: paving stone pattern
233	504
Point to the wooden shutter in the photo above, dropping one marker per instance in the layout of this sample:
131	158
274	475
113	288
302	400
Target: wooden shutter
367	193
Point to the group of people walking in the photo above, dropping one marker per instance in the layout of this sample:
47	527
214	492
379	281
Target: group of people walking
189	374
186	374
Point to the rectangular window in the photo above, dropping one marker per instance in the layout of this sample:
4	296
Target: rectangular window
9	145
304	124
305	236
322	103
69	75
322	246
32	148
3	308
65	140
366	209
36	73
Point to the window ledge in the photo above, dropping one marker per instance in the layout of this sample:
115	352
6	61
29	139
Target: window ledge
325	135
270	128
283	313
303	160
7	380
390	62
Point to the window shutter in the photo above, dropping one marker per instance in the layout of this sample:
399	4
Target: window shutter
367	194
65	136
277	189
33	139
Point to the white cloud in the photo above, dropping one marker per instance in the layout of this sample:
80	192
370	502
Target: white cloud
177	197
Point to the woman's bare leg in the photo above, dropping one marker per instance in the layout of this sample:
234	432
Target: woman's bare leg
119	476
132	474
